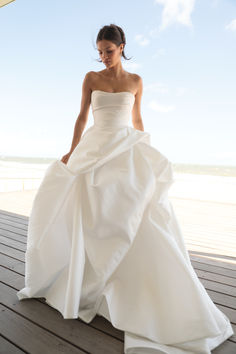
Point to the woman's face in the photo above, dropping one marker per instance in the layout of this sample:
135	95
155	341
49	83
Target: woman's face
109	53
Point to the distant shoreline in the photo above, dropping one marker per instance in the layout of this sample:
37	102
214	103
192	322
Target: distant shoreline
203	169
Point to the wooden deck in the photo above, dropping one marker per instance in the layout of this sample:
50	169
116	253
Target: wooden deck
34	327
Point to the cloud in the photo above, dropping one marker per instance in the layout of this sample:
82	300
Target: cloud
176	11
164	89
155	106
156	87
231	26
160	52
141	40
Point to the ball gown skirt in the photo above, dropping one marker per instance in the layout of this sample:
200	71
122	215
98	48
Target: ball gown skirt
103	239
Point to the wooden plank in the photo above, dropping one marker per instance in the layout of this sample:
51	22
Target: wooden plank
219	296
209	280
222	299
198	264
219	287
12	291
14	222
227	347
78	333
7	347
31	337
12	252
221	293
13	236
215	277
215	290
224	238
227	302
7	241
192	256
207	258
230	313
233	338
11	278
8	218
15	279
15	229
12	214
12	263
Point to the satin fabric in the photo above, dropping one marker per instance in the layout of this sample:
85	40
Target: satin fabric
103	239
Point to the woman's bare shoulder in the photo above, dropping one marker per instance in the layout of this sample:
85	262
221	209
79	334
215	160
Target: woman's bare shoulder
94	74
94	77
89	74
137	78
90	78
136	82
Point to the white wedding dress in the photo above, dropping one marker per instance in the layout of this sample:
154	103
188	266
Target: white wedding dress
103	239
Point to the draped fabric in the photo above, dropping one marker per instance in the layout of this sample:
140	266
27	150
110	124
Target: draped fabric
103	239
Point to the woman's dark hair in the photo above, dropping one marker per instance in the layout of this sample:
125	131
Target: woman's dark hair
112	33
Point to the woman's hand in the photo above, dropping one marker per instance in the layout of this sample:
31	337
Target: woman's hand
66	157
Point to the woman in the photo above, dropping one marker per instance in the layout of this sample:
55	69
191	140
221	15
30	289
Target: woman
103	238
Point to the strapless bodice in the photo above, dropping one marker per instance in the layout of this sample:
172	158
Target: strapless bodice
111	109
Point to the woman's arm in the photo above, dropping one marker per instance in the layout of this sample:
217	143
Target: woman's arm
82	119
136	114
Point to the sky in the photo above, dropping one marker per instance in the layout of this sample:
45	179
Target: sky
184	50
